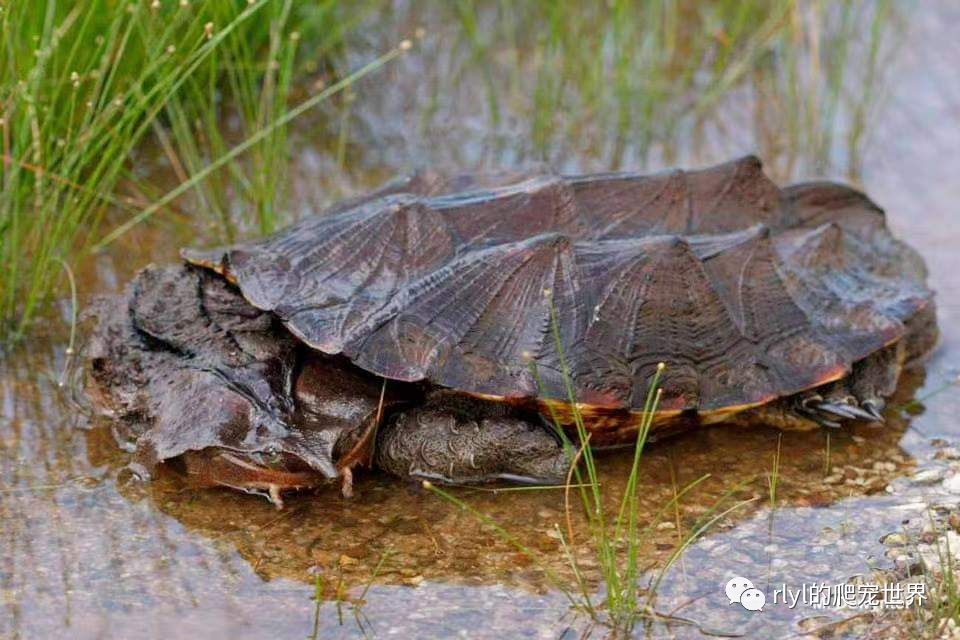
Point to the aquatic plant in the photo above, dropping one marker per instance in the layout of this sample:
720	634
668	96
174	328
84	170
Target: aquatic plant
340	596
79	87
773	477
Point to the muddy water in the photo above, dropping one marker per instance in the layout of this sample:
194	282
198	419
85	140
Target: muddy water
87	553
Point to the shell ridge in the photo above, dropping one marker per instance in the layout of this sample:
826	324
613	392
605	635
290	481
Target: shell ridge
414	293
630	214
501	283
402	212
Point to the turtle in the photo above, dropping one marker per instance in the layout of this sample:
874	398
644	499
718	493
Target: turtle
442	326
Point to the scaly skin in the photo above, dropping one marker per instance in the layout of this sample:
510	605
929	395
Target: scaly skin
462	440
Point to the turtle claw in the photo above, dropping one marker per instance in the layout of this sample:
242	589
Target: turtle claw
848	411
809	405
873	408
826	412
842	411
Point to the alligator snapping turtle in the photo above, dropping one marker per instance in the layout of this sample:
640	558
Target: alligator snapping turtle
399	327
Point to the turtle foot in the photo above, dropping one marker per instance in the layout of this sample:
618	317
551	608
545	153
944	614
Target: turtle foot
827	411
861	395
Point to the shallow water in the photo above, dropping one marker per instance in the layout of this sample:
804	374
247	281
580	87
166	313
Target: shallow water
85	552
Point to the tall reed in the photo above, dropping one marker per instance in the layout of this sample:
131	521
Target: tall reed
83	84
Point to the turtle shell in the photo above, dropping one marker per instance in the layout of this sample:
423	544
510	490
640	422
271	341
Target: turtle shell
748	292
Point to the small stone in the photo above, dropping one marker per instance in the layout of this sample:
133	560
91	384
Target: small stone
305	539
346	560
928	476
946	547
666	525
894	539
954	521
952	484
903	562
948	453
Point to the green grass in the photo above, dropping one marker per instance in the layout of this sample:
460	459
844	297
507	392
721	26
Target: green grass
941	605
79	86
83	85
773	478
339	594
827	449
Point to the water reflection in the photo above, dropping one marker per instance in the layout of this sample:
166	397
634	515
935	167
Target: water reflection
623	85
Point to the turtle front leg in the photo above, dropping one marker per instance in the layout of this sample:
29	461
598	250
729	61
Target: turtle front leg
460	440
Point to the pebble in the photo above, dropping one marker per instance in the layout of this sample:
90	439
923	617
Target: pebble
904	563
909	506
948	453
305	539
894	539
943	548
928	476
952	484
